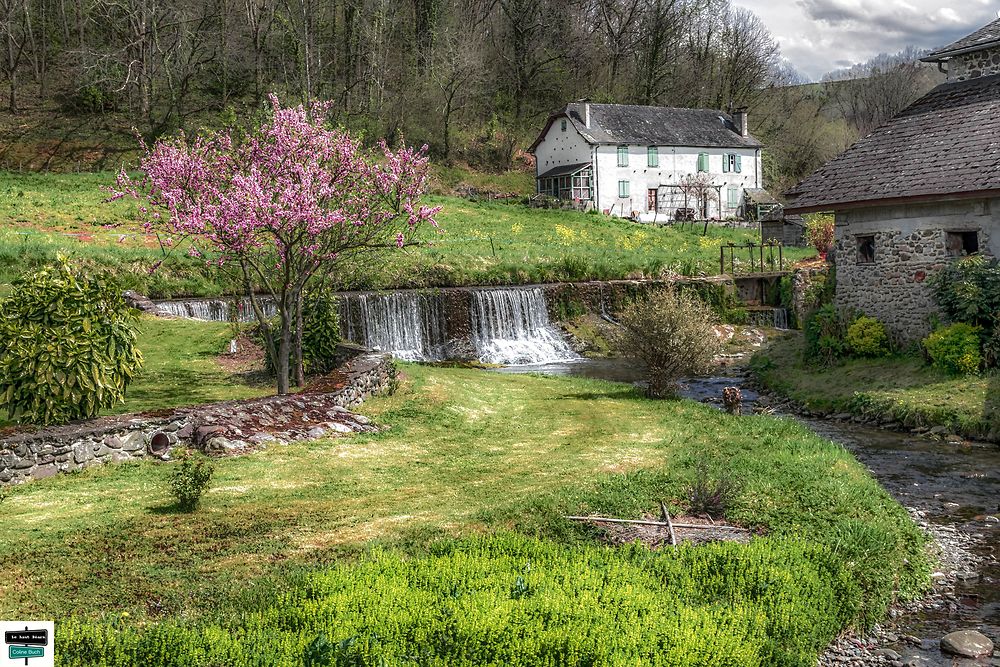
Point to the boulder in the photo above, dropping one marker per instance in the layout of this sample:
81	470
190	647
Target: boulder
967	643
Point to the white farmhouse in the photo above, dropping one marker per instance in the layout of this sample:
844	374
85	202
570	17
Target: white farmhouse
630	161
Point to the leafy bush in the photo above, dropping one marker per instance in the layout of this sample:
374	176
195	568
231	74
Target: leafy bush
671	332
320	332
515	601
955	348
67	346
820	232
826	330
867	337
190	480
968	290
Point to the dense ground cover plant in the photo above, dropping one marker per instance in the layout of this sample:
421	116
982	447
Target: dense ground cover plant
671	332
67	346
284	204
510	600
955	348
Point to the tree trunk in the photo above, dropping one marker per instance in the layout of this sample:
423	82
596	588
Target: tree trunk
284	350
300	374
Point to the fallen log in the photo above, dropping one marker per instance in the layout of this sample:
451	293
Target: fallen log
662	524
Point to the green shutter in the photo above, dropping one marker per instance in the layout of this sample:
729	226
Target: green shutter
623	187
725	163
652	157
702	161
623	156
739	163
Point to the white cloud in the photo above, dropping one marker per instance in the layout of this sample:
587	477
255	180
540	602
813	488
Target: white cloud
817	36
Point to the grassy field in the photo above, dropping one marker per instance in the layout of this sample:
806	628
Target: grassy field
464	453
478	243
903	389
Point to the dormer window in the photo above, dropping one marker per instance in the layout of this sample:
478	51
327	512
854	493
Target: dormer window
623	156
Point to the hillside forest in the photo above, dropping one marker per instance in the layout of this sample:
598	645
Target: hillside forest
473	79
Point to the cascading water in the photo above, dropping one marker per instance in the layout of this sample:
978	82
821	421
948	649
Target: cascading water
216	310
768	317
410	325
512	327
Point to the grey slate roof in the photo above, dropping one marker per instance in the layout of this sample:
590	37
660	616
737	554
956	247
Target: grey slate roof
985	37
652	126
945	143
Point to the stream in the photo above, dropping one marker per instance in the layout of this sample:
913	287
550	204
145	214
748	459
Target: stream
951	489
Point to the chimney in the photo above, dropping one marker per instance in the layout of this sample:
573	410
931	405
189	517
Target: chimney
740	121
586	113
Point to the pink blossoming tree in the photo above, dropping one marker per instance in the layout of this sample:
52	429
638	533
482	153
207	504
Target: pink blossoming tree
286	205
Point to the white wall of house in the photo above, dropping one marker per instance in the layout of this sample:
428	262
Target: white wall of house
675	163
561	147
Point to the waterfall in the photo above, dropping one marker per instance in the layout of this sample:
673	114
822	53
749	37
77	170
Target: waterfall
768	317
512	327
215	310
410	325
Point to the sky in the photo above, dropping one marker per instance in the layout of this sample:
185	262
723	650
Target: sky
817	36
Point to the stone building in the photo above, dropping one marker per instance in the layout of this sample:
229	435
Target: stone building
918	192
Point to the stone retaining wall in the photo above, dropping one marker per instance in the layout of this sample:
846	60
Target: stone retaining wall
231	427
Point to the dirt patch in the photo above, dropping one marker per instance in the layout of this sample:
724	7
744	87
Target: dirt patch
248	358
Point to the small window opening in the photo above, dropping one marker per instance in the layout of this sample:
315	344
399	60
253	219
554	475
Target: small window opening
562	124
866	249
960	244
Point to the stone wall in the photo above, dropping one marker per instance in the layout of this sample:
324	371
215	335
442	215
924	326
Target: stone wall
231	427
909	249
974	65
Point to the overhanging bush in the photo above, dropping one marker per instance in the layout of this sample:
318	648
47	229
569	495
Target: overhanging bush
671	333
968	290
67	346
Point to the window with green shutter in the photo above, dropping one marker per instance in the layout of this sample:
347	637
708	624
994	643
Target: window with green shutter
623	187
733	197
725	163
623	156
702	161
739	163
652	156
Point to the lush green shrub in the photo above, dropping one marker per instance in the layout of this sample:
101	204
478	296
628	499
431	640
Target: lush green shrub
515	601
955	348
968	290
867	337
826	331
67	346
190	480
671	333
320	332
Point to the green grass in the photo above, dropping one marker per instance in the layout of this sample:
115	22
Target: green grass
900	388
465	452
477	244
180	367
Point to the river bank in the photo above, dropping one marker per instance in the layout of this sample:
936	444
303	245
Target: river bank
899	393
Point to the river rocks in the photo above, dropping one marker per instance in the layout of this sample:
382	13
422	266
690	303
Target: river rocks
967	643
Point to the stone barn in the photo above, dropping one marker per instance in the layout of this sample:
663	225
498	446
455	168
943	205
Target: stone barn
789	230
918	192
